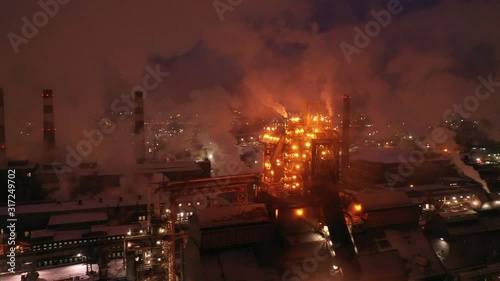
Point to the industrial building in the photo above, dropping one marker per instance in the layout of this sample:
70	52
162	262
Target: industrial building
315	211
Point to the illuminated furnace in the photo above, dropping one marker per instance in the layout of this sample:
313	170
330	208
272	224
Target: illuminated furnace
297	149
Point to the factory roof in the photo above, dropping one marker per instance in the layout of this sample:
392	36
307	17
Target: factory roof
71	206
383	200
176	166
69	235
62	235
436	187
405	244
78	218
234	264
485	223
232	215
42	233
112	230
391	155
375	267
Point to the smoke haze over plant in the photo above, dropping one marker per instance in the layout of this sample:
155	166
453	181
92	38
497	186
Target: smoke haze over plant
272	53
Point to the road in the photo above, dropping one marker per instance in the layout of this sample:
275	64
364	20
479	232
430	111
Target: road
115	270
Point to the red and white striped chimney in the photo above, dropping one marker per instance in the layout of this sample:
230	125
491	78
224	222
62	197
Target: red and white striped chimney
3	145
140	137
49	130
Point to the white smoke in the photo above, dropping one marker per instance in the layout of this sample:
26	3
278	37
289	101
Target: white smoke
468	170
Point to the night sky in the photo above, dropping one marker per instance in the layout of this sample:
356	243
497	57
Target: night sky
424	61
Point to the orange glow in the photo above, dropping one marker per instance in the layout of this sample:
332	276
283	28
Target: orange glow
295	143
358	207
299	212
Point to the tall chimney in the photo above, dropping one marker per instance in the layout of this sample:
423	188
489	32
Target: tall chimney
346	123
49	130
3	145
140	138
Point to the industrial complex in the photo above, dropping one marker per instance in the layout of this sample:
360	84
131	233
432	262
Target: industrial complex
318	209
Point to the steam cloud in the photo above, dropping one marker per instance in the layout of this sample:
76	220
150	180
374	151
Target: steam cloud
264	53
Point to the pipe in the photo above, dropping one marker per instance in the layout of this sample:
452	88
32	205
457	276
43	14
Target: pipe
346	123
140	138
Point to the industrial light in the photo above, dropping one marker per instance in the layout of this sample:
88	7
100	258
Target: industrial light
299	212
358	207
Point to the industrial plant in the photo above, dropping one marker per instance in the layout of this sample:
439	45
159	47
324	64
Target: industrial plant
320	208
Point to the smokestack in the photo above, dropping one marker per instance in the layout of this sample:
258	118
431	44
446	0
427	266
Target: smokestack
140	138
3	145
49	130
346	123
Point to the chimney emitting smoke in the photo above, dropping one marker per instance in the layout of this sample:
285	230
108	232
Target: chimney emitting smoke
49	130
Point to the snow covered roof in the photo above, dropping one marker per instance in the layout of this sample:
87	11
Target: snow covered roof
42	233
176	166
375	267
232	215
78	218
70	206
236	264
69	235
383	200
